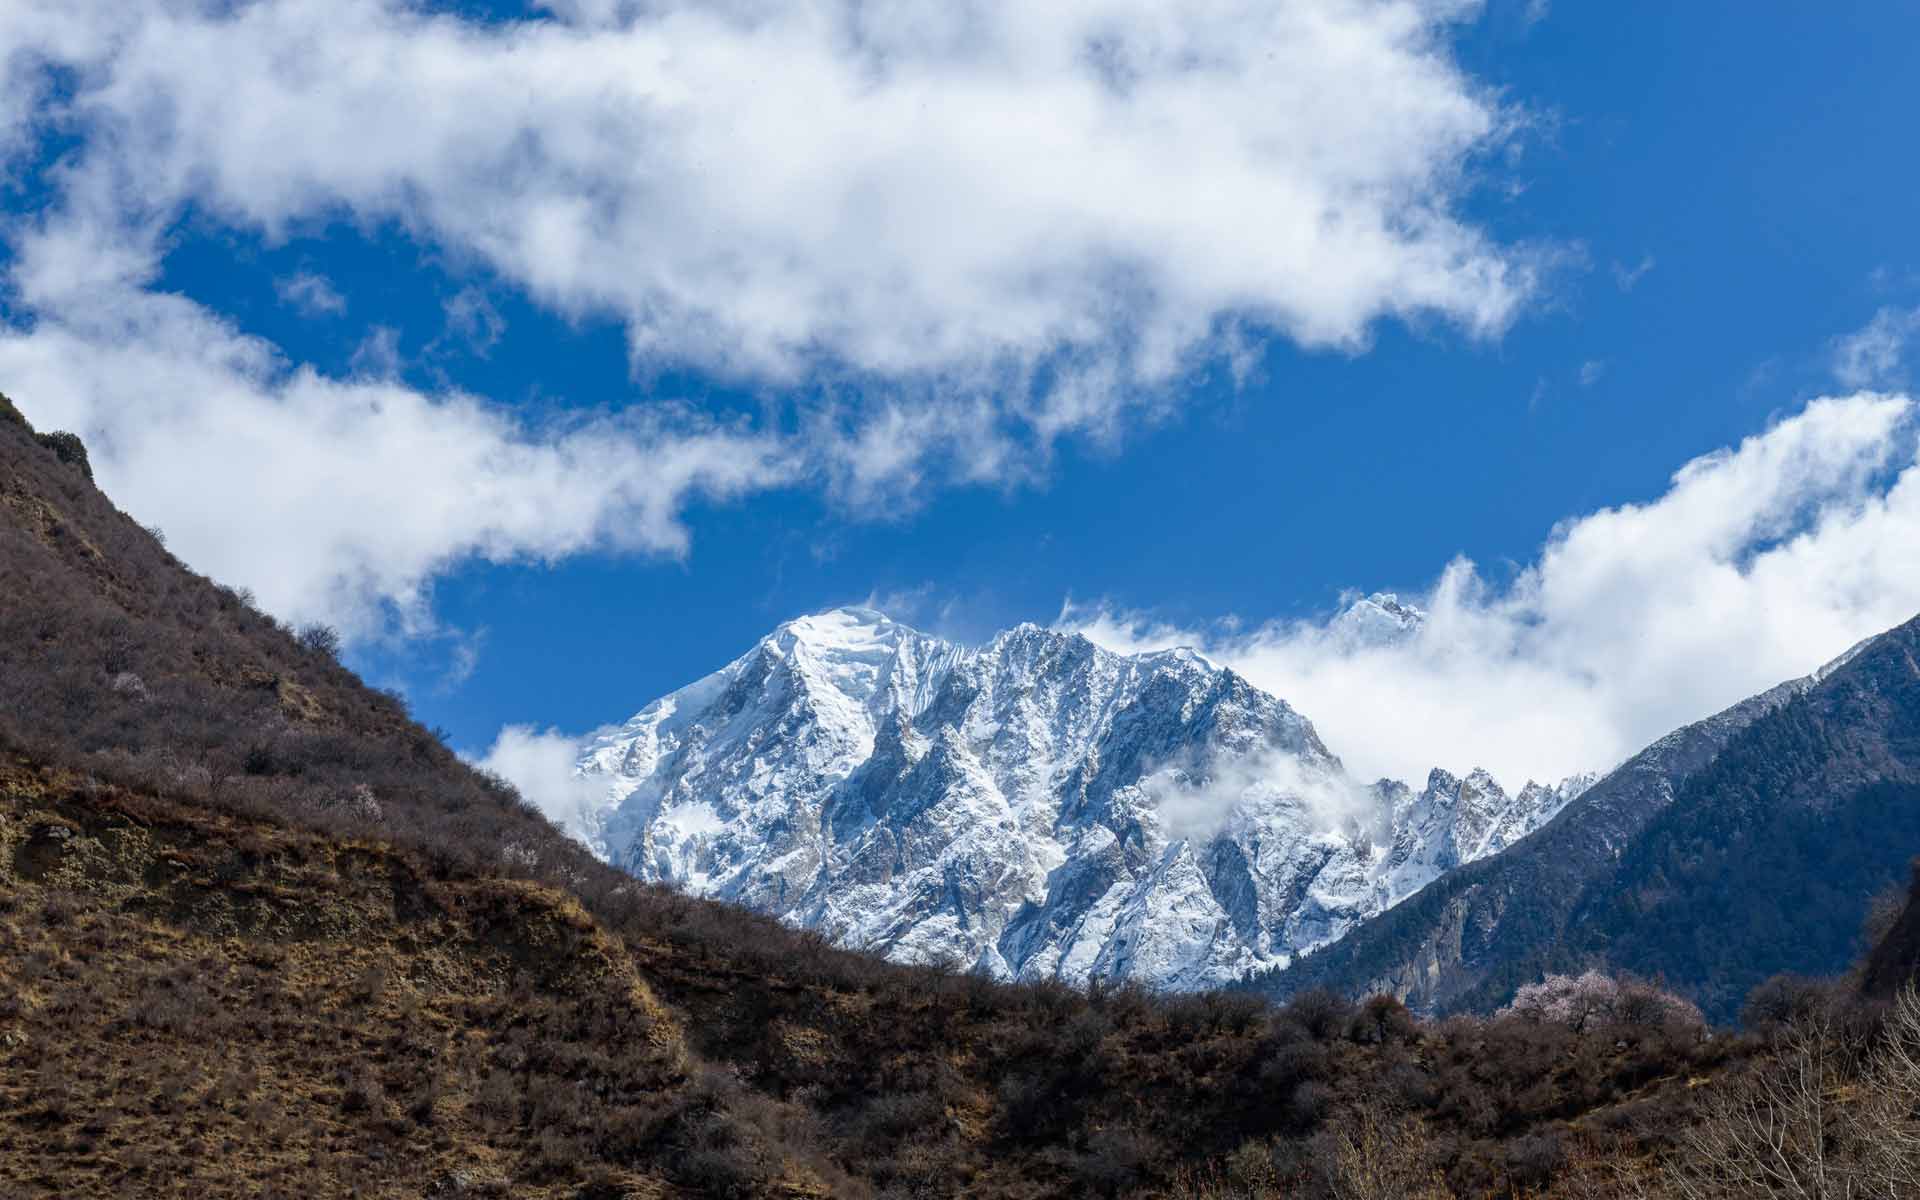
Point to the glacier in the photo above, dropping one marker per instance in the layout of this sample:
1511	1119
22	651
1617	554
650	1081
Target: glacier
1036	807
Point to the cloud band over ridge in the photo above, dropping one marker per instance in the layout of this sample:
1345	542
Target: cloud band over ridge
1757	564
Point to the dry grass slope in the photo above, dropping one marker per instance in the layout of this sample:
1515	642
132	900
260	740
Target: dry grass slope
208	1005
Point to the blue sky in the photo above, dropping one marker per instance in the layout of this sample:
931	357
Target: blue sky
1620	238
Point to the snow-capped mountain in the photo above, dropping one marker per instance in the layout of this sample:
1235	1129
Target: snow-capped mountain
1377	620
1037	806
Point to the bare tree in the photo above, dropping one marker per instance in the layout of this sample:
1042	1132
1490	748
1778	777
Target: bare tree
1810	1123
1374	1153
1890	1108
1773	1132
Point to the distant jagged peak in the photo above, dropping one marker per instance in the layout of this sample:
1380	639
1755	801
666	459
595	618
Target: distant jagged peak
1380	619
857	630
929	798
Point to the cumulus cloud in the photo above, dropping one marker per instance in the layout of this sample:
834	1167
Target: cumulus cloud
539	764
336	499
1061	204
1757	564
984	227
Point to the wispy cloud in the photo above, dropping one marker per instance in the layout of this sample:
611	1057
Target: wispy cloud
1592	371
311	294
378	354
1628	277
1758	563
1197	798
464	658
474	321
1876	355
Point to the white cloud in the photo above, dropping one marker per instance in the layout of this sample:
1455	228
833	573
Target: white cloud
310	294
1875	356
983	227
1197	799
336	499
976	197
1758	563
1592	371
539	764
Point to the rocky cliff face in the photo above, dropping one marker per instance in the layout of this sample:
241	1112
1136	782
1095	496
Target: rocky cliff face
1038	806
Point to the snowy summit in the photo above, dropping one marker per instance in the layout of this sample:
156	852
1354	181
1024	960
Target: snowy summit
1037	807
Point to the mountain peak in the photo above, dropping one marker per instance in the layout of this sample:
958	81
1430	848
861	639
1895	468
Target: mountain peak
938	802
1377	620
847	624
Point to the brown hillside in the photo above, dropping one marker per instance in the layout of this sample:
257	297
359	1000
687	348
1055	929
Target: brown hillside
209	1005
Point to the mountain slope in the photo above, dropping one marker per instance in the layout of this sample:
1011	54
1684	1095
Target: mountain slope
267	1012
1766	858
1466	940
1733	848
1037	807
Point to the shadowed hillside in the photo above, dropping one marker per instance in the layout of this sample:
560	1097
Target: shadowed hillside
1732	849
1894	961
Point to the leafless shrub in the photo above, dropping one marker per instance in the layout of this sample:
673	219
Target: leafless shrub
1374	1153
1643	1007
1381	1019
1785	999
1891	1112
1249	1173
1115	1159
1322	1013
370	985
1806	1124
